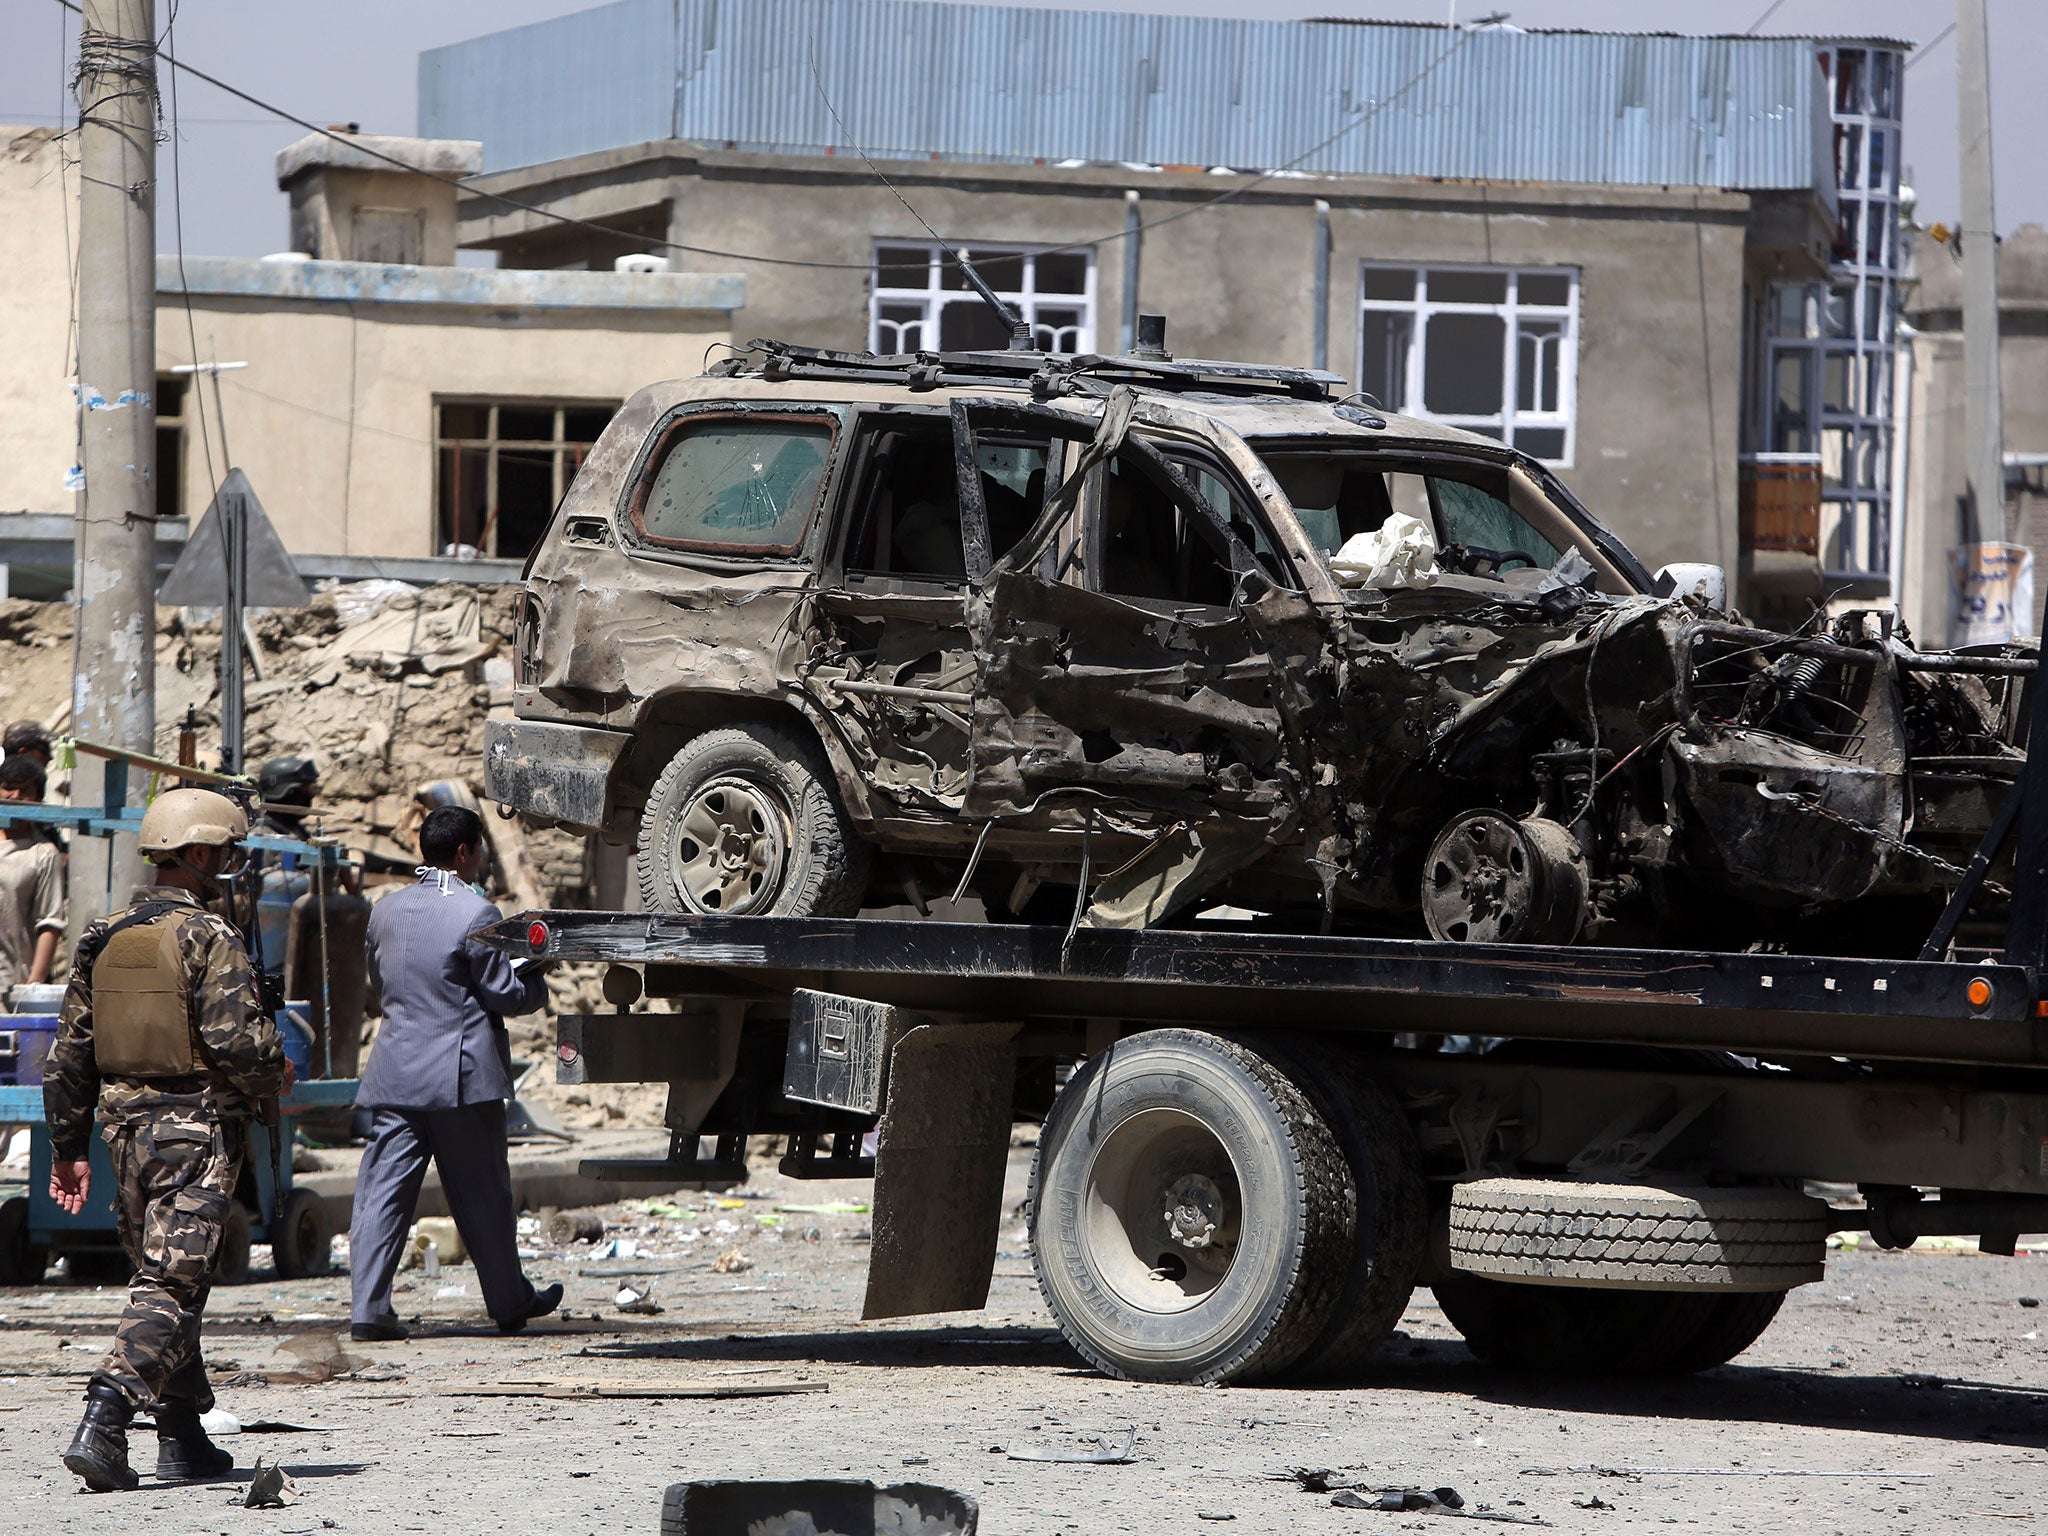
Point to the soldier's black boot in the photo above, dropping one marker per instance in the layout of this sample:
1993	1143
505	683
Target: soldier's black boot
99	1451
183	1453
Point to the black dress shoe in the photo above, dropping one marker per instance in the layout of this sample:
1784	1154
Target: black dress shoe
544	1301
378	1332
99	1451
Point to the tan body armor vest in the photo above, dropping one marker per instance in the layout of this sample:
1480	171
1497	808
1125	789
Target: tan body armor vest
141	1003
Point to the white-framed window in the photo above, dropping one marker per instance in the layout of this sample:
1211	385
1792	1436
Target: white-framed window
920	300
1494	350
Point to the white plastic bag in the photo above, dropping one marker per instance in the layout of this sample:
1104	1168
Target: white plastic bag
1401	552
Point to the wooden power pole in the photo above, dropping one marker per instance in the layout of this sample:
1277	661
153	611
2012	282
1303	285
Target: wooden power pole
113	684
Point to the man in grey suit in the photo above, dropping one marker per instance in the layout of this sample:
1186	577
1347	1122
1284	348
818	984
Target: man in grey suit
438	1078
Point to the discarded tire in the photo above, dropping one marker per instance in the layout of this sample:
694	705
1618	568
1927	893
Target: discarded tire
745	821
1191	1212
1638	1236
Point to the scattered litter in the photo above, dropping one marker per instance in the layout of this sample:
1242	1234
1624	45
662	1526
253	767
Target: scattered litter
218	1421
917	1461
733	1262
816	1504
667	1209
565	1227
450	1292
591	1387
1709	1472
1595	1502
836	1208
617	1248
1112	1449
2030	1301
319	1358
1427	1501
640	1302
1203	1514
269	1488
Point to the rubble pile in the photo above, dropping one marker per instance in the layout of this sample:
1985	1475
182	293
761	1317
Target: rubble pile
386	687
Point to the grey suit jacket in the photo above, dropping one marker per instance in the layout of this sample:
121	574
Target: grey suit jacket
442	1043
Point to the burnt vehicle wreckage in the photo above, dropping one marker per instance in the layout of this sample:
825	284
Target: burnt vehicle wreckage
1130	636
1113	641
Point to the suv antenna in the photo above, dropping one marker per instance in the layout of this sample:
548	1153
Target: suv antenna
1020	330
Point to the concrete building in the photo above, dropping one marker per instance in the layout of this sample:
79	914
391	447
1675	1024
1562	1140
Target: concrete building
1937	516
1585	244
389	414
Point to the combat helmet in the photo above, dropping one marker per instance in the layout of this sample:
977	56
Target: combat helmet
183	818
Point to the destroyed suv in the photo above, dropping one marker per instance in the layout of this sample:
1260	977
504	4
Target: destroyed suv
1098	638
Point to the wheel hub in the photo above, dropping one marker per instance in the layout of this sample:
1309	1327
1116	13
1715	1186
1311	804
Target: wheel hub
732	847
1194	1210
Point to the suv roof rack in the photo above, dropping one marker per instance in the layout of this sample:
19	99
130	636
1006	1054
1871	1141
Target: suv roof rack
1044	374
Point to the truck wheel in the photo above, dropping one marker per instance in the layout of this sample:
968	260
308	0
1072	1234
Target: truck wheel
21	1261
744	821
302	1238
1191	1212
1728	1325
1686	1237
233	1265
1563	1330
1391	1231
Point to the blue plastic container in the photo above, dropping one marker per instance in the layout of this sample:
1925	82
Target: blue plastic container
25	1041
297	1031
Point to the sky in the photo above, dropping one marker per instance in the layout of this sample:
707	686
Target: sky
358	63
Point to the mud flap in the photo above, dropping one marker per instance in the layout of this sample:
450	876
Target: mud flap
943	1146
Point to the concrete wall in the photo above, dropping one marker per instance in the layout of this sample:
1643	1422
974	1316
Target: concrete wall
1936	472
333	419
1660	302
38	413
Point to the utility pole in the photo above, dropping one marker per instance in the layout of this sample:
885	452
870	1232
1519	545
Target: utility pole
113	682
1983	403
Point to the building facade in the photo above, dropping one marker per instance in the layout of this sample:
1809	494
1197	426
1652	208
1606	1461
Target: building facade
393	417
1606	249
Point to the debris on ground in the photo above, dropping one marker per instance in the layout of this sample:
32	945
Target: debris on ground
732	1262
797	1508
596	1387
640	1302
317	1355
566	1227
1112	1449
269	1488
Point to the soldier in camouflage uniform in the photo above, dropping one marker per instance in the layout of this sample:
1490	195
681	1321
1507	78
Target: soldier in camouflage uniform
163	1030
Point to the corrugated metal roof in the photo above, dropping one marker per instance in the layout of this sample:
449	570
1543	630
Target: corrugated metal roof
914	79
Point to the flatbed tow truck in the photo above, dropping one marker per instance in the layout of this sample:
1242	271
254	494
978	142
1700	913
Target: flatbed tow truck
1254	1145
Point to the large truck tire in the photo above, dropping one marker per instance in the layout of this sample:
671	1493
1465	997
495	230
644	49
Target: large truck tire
745	821
1191	1212
1638	1236
1391	1230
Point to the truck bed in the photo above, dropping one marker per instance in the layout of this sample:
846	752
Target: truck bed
1751	1004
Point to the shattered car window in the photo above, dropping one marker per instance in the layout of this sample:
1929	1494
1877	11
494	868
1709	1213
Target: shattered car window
908	511
1154	545
1474	518
738	484
1337	497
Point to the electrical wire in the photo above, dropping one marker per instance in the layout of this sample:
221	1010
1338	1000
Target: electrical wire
1931	44
1110	238
184	288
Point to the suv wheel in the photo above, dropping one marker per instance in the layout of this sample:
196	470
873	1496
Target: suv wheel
744	822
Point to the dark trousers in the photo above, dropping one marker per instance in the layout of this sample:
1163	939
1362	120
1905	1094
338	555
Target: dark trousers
174	1179
468	1147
